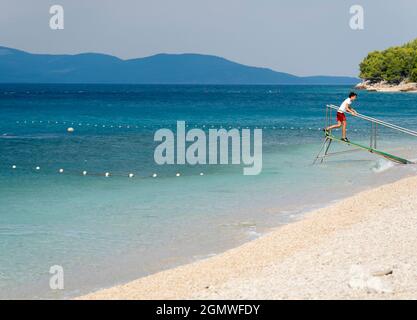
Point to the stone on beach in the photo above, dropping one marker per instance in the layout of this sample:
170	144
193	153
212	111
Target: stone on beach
376	285
362	279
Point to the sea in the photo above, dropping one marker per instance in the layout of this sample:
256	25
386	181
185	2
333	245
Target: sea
58	209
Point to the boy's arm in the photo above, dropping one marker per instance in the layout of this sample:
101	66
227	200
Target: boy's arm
351	110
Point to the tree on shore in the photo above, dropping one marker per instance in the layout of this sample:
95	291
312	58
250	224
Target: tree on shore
393	65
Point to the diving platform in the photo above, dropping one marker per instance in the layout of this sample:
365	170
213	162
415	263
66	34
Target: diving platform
372	148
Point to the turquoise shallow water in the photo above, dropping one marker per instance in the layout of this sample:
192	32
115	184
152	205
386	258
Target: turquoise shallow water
108	230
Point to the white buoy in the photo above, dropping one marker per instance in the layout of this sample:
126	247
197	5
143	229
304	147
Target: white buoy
131	175
70	129
154	175
61	170
13	166
84	173
38	168
201	174
107	174
178	174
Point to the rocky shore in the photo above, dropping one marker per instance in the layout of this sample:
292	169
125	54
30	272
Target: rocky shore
384	86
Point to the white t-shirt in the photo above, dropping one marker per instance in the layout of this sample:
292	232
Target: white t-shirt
342	108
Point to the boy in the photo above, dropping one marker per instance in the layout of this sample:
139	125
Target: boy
341	117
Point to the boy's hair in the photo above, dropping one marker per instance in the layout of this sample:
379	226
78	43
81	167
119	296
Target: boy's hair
352	94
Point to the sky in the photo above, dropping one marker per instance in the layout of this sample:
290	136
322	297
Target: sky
301	37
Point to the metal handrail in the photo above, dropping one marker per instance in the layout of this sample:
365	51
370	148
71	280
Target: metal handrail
383	123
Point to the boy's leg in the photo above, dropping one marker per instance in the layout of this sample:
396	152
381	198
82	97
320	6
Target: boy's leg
338	125
344	125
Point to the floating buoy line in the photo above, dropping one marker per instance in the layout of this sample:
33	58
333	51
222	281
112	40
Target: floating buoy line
71	126
106	174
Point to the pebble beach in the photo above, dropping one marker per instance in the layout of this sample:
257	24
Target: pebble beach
362	247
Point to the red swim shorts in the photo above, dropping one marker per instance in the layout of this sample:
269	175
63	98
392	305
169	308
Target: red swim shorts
341	117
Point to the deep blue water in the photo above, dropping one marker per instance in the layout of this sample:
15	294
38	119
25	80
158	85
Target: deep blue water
109	230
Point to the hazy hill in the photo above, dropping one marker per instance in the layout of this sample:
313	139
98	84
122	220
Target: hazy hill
20	66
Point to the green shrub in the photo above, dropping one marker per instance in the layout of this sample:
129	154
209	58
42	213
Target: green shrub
393	65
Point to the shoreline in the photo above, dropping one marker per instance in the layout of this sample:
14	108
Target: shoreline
384	86
353	248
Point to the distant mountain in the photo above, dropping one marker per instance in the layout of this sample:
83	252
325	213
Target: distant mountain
23	67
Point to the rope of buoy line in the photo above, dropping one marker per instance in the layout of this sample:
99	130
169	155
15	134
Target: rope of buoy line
136	126
105	174
72	125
